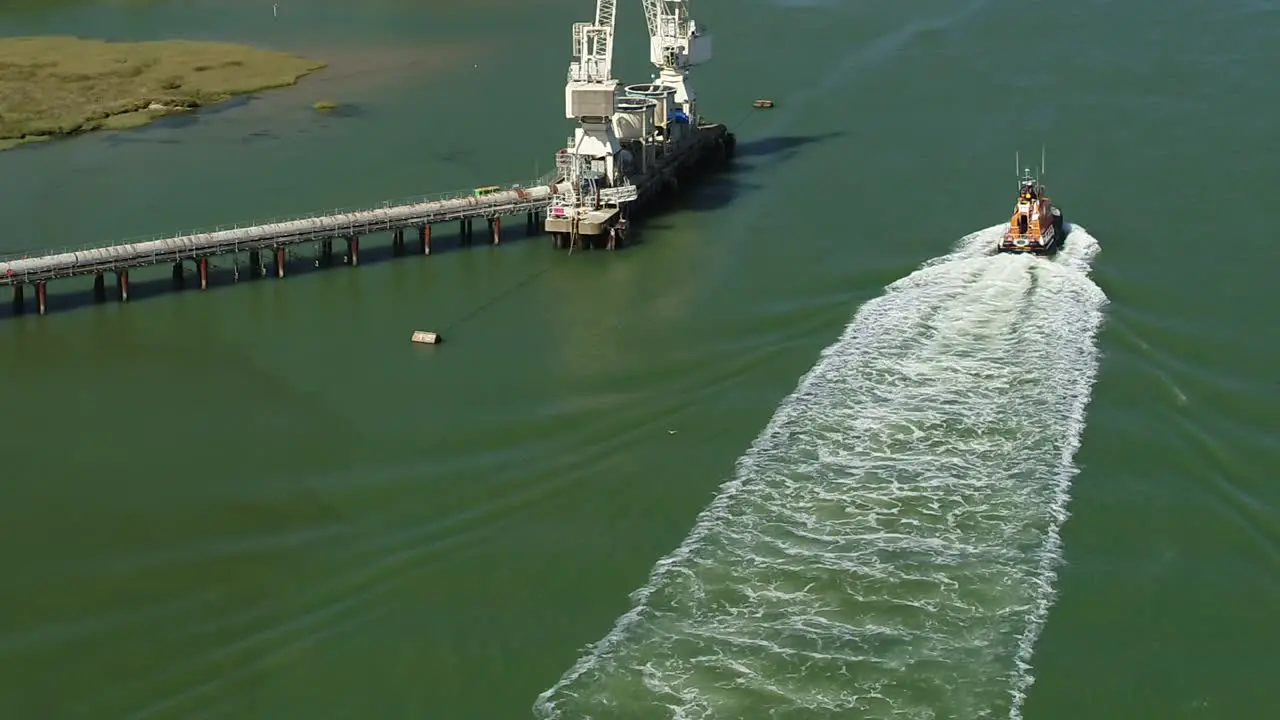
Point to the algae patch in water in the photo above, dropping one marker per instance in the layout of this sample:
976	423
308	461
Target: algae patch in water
59	85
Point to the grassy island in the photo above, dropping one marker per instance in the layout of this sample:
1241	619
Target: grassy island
57	86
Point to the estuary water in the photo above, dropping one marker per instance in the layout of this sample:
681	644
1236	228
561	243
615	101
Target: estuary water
809	451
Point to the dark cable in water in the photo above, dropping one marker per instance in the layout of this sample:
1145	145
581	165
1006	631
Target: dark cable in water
500	295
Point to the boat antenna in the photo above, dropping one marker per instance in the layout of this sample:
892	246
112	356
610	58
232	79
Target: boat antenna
1017	167
1042	172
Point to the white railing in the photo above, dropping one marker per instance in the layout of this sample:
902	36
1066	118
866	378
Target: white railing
620	194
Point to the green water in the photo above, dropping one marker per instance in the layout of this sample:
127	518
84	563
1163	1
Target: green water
262	501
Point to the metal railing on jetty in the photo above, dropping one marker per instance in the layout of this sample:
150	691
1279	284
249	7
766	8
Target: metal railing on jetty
38	265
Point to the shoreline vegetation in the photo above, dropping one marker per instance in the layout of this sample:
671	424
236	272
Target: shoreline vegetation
58	86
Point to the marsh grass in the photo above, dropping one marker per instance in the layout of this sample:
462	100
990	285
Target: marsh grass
55	86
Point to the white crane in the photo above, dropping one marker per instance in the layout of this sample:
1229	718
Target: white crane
591	163
591	91
675	45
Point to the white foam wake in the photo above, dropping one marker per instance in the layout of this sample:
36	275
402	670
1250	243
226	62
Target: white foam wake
887	547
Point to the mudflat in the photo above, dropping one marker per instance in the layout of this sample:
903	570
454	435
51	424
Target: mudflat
55	86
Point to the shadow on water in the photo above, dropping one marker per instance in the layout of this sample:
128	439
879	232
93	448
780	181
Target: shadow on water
720	188
227	271
711	190
784	146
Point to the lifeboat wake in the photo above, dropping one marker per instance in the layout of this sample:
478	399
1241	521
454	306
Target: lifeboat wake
887	547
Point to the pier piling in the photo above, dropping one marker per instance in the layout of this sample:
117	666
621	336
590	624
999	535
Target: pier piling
203	265
495	230
424	237
42	295
122	285
353	250
281	259
99	287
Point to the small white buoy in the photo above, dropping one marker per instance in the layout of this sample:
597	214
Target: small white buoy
424	337
275	10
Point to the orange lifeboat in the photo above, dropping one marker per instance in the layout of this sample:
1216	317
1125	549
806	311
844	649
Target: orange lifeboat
1036	225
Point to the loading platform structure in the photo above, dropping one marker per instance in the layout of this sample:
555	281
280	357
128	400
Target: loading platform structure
489	203
631	143
583	215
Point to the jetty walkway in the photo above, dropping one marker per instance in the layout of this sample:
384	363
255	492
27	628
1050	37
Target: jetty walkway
489	203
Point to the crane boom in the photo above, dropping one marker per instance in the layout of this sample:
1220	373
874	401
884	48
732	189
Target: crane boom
604	15
652	9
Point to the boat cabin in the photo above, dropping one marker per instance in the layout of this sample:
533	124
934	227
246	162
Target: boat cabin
1030	213
1028	190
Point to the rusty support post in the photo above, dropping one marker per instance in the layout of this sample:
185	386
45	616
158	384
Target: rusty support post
353	250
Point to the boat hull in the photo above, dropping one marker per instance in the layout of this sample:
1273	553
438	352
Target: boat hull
1049	243
1050	246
